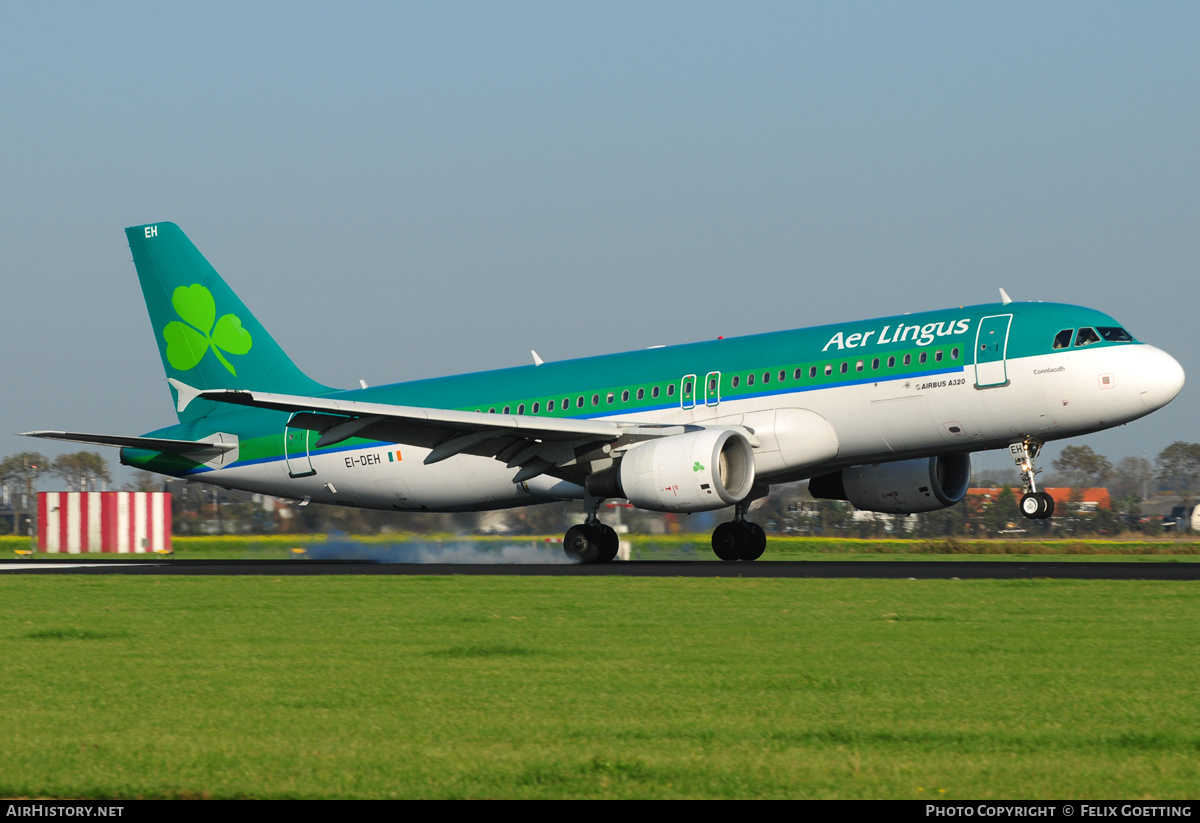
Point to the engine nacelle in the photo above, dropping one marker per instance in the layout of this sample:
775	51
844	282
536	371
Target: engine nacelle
694	472
925	484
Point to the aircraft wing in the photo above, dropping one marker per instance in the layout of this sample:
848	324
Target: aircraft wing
158	444
536	444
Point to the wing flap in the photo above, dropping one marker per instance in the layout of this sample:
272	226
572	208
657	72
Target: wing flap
443	419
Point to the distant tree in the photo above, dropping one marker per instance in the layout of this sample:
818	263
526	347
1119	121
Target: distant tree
20	472
1131	479
1179	469
991	478
143	481
1001	511
81	471
948	522
1082	467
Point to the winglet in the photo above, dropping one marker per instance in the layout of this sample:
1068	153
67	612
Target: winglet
185	394
1004	298
537	361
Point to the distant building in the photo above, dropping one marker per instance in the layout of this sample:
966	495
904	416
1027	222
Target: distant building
1090	499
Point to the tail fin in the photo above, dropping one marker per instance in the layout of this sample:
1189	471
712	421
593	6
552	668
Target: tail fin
206	336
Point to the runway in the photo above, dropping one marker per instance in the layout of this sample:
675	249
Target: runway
833	569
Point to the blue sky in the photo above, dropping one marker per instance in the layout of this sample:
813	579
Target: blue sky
404	190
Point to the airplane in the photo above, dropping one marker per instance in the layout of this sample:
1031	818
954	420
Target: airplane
884	413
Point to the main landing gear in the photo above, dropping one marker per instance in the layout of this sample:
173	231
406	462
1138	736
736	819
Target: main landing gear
739	539
591	541
1036	505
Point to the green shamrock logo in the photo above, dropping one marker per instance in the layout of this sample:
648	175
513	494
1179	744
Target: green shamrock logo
697	467
187	342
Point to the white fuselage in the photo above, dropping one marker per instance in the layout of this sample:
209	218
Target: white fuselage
1044	397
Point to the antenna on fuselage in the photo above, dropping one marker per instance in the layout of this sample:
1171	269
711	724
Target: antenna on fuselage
1004	298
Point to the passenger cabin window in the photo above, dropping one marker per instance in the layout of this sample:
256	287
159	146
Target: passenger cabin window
954	353
506	408
734	382
783	375
858	366
766	377
845	367
798	373
908	359
812	371
625	396
521	409
579	402
610	398
536	406
1062	340
671	390
891	362
641	393
749	380
1086	337
924	356
1115	334
875	363
654	392
595	400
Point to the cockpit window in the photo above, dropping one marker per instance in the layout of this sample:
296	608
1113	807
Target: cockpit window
1062	340
1086	337
1115	334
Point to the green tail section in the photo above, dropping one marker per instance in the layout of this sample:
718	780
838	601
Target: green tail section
206	336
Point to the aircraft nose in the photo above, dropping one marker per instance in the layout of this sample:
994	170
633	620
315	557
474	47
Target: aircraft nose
1160	377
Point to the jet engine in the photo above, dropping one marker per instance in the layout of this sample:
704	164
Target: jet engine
693	472
925	484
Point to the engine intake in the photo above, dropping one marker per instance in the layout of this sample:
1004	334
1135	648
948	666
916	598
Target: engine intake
924	484
694	472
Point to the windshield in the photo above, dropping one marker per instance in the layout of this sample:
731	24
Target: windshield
1115	334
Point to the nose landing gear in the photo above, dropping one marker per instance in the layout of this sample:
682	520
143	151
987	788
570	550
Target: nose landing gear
1036	505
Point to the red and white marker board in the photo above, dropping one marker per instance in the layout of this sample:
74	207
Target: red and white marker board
117	522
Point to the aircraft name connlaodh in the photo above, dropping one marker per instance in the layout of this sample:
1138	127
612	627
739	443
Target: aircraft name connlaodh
902	333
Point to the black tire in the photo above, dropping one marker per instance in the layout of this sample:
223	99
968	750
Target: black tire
611	544
756	543
583	544
729	541
1047	505
1032	506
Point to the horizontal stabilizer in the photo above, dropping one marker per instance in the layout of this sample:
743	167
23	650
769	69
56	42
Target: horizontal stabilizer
157	444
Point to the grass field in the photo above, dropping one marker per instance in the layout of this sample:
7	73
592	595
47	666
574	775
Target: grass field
120	687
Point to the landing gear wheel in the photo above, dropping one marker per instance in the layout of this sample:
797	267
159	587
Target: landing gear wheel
739	540
757	543
730	541
583	543
1032	506
610	543
1047	505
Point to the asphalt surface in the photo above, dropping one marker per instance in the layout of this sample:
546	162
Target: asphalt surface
871	569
